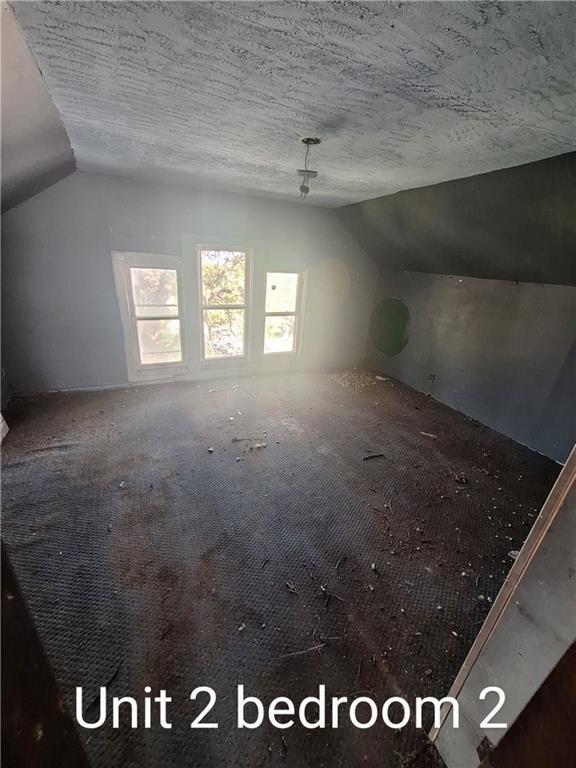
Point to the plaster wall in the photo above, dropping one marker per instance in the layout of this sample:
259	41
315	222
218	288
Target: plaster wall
517	224
61	320
35	148
503	353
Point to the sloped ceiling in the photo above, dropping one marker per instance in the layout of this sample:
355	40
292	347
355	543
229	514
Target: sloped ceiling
517	224
35	148
218	94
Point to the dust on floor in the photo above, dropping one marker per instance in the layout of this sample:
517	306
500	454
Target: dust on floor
352	536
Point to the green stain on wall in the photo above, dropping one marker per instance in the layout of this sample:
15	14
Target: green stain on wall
390	326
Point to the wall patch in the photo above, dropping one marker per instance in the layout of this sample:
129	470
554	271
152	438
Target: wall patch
390	326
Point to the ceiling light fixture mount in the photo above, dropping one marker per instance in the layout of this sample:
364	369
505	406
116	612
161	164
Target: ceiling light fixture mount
305	172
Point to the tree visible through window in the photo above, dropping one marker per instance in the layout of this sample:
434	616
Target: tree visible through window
223	275
156	313
281	312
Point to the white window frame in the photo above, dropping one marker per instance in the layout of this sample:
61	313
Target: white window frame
297	314
122	263
209	362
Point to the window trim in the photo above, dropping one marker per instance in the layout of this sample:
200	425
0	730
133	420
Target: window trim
297	314
122	263
210	362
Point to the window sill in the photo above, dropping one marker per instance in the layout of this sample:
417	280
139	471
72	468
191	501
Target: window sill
166	372
224	361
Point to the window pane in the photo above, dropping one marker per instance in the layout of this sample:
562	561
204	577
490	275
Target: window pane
279	334
281	291
155	292
223	277
223	333
159	341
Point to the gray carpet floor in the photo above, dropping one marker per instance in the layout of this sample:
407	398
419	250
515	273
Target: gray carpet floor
147	559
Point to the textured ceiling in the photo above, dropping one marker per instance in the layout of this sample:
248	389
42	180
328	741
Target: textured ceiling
218	94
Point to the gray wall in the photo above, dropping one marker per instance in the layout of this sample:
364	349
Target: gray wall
61	322
503	353
515	224
36	152
500	350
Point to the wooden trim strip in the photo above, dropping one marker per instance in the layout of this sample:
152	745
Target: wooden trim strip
550	509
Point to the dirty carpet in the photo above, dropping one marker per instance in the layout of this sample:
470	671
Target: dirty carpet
275	532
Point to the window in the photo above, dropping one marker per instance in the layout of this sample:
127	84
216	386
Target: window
155	301
282	297
223	275
149	291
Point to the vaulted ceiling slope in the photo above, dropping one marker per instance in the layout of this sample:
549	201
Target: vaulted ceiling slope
35	148
402	94
518	224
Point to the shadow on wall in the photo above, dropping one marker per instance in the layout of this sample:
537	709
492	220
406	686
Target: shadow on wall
502	353
555	420
514	224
